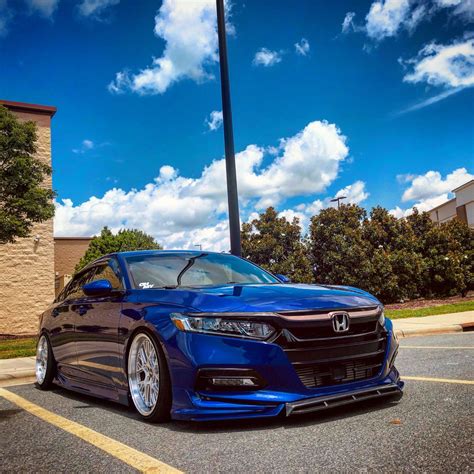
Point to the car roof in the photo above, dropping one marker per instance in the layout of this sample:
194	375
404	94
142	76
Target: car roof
135	253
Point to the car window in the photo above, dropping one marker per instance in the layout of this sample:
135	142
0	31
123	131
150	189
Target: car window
110	270
74	289
155	271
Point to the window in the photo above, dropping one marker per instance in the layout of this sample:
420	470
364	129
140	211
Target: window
74	289
155	271
110	271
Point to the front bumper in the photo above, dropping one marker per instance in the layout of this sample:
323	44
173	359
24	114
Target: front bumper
284	392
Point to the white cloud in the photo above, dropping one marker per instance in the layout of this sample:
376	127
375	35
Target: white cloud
432	184
449	65
355	193
430	101
430	189
5	16
182	211
348	23
188	28
387	18
302	47
86	145
94	8
45	8
266	57
462	8
215	120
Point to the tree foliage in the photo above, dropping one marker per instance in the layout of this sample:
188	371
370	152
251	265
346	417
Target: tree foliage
275	243
395	259
23	198
124	240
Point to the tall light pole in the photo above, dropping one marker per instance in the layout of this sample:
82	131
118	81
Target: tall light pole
232	194
338	200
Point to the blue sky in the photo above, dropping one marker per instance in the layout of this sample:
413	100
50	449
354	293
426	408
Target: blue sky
372	98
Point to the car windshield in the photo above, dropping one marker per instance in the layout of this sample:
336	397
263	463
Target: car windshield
175	270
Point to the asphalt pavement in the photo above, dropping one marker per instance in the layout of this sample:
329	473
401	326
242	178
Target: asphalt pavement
431	429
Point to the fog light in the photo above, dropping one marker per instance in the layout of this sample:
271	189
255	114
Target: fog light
233	382
228	379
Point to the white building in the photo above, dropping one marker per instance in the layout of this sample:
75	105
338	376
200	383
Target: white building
462	206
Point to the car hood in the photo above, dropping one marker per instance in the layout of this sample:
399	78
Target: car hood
262	298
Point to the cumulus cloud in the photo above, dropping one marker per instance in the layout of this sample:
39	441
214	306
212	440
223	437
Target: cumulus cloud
354	193
430	189
450	65
215	120
181	211
188	29
302	47
387	18
266	57
94	8
432	184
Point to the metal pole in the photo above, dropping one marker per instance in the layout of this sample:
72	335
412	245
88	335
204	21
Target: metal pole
232	194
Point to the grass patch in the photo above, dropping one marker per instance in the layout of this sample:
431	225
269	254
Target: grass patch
10	348
430	311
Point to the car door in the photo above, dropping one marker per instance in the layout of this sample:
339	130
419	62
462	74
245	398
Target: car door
62	324
96	327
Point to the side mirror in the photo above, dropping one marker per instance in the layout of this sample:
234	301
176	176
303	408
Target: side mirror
97	288
282	278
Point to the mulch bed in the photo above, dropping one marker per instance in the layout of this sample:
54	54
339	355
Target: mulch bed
423	303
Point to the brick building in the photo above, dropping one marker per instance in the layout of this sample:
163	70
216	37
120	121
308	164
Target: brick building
27	266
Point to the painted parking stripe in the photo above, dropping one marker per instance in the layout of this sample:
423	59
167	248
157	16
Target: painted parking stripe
438	347
128	455
432	379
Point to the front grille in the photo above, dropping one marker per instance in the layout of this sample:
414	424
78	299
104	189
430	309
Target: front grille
322	357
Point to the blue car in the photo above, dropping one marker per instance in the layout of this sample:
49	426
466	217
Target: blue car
208	336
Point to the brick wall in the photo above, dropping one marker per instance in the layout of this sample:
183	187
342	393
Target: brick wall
27	266
67	253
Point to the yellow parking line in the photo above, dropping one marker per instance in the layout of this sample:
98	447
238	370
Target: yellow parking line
437	347
432	379
128	455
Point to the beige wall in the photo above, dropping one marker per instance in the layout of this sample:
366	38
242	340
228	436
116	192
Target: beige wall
445	212
27	266
67	253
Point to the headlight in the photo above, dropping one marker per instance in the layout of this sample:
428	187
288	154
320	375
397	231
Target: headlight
222	326
382	319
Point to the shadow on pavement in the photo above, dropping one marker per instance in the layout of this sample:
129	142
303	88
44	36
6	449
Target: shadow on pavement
280	421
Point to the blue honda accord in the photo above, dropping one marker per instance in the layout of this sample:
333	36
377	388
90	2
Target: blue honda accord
207	336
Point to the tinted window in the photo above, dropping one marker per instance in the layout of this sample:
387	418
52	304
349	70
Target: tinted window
109	271
154	271
74	289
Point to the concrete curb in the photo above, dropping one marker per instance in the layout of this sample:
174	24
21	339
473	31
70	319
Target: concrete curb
429	331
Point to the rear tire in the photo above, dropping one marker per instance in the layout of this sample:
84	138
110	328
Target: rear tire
45	366
148	378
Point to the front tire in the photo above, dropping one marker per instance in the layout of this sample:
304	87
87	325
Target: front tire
148	379
45	364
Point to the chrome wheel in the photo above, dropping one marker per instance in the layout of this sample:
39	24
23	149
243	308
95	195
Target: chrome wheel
41	359
143	374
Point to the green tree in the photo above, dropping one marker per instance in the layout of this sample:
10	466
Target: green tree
24	200
397	267
338	250
124	240
275	243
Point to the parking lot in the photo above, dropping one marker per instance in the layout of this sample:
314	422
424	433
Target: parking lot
430	429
